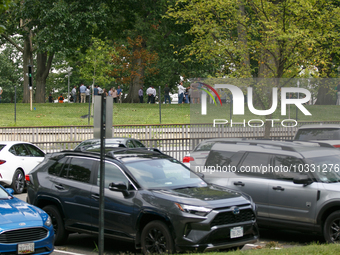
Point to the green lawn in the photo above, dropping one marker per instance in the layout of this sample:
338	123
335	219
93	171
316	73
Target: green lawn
126	114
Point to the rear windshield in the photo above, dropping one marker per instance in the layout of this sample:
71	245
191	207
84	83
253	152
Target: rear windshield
205	146
318	134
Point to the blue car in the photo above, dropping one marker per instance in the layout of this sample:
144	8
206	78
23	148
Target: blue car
24	229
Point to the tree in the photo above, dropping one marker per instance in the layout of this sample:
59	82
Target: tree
47	27
279	38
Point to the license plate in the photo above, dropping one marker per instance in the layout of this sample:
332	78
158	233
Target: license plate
25	248
236	232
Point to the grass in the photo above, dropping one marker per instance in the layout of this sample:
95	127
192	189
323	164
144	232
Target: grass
127	114
326	249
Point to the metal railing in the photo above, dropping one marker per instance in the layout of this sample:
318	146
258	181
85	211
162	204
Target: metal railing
173	139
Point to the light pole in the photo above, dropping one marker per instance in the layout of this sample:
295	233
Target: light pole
69	69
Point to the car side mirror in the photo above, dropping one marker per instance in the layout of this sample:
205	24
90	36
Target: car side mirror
120	187
302	179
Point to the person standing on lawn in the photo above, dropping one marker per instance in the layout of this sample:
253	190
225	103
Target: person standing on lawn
74	94
61	99
119	94
82	90
140	95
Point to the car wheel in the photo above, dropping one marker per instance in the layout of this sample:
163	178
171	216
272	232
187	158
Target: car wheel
331	228
156	238
60	233
18	181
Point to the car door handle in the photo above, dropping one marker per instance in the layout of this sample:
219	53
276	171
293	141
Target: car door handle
59	187
95	196
278	188
239	184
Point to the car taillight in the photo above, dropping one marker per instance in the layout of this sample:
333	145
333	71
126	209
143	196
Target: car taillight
28	178
337	146
2	161
187	159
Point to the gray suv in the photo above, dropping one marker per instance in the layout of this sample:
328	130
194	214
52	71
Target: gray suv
296	185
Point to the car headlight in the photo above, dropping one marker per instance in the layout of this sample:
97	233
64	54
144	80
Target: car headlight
48	221
197	210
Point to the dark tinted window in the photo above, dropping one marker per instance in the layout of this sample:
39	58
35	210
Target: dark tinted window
287	167
223	158
80	169
35	151
138	144
318	134
2	146
20	150
254	164
130	144
56	168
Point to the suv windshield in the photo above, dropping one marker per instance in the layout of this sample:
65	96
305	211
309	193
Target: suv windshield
318	134
164	173
326	168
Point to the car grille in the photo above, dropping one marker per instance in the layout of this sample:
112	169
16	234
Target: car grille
23	235
230	218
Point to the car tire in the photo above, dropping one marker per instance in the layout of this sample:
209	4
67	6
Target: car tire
60	233
18	181
331	228
156	238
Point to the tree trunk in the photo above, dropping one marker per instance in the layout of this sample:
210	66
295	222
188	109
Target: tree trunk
44	63
242	38
137	80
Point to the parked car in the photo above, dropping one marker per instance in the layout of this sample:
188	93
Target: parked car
296	185
327	133
151	199
16	160
198	156
110	142
24	228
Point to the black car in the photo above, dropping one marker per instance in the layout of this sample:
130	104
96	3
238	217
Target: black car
151	199
110	142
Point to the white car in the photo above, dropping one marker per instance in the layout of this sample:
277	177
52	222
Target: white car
16	160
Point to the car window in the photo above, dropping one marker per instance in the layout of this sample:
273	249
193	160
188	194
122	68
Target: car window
138	144
326	168
205	146
56	168
112	174
318	134
2	146
35	151
20	150
3	194
255	164
130	144
79	169
287	167
223	158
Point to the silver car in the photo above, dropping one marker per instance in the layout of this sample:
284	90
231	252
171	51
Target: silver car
296	185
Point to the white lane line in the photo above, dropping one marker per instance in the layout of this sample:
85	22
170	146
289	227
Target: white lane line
67	252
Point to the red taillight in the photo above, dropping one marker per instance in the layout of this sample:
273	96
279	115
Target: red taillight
337	146
2	161
27	178
187	159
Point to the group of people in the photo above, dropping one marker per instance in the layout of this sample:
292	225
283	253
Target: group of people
82	95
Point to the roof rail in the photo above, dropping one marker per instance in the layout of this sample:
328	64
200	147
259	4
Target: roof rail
112	152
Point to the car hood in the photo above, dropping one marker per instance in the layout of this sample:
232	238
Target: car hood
210	196
15	211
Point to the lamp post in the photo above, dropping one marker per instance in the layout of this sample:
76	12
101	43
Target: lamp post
69	69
